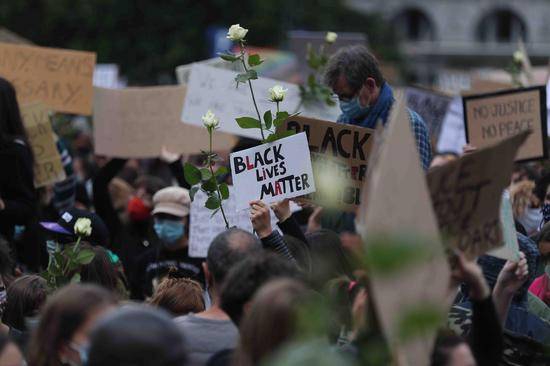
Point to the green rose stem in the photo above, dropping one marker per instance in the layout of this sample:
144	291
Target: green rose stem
74	251
251	90
209	162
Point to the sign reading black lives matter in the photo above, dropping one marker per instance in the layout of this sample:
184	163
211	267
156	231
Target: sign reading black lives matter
493	117
272	172
339	154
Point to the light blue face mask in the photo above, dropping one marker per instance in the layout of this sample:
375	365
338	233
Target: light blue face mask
169	231
82	351
353	109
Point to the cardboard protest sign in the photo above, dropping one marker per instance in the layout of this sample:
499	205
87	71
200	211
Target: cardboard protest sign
403	247
272	172
466	195
215	89
61	79
48	168
204	227
138	122
339	156
431	106
489	118
510	248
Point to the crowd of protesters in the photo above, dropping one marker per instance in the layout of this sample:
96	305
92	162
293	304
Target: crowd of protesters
256	298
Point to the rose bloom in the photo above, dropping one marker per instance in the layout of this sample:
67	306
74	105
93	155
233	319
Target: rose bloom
277	93
210	120
331	37
83	227
236	32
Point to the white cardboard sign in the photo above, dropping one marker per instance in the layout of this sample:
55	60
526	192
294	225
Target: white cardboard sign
272	172
204	227
211	88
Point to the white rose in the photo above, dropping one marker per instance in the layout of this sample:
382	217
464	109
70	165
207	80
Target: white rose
331	37
277	93
236	32
518	57
210	120
83	227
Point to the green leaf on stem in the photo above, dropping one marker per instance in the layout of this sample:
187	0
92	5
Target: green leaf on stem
254	60
248	122
205	174
279	135
210	185
191	173
212	203
268	119
280	118
85	256
224	190
193	191
222	171
75	278
229	57
244	77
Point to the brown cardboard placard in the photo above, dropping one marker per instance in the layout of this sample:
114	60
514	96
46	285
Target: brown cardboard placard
489	118
138	122
396	213
48	168
466	195
61	79
339	154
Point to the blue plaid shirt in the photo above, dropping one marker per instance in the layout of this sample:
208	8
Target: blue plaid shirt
381	111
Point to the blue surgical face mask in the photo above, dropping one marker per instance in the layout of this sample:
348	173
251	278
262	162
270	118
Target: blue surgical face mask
82	351
353	109
169	231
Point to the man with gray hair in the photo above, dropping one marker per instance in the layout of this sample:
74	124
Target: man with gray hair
365	97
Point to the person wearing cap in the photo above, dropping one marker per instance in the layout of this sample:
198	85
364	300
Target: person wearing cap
171	208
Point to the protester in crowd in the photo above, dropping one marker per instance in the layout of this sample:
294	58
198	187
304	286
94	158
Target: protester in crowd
137	336
104	270
178	296
26	296
10	355
260	217
329	260
270	321
542	191
130	223
62	335
541	286
247	276
365	97
212	329
542	238
17	193
526	206
171	216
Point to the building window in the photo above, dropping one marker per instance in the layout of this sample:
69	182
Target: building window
413	25
503	26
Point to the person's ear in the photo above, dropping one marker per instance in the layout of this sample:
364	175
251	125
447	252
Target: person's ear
207	274
370	85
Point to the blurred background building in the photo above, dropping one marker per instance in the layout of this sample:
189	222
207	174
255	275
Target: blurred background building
438	36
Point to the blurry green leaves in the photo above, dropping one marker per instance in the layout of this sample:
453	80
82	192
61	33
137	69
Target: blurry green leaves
65	264
313	91
386	255
254	60
248	122
246	76
192	174
229	57
419	320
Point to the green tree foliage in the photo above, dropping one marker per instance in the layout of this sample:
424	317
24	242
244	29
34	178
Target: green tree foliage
148	39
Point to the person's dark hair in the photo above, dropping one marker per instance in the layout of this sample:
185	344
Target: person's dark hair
150	183
178	296
11	123
356	63
445	343
228	248
137	336
541	185
247	276
270	322
7	262
101	271
64	313
543	234
329	259
26	296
